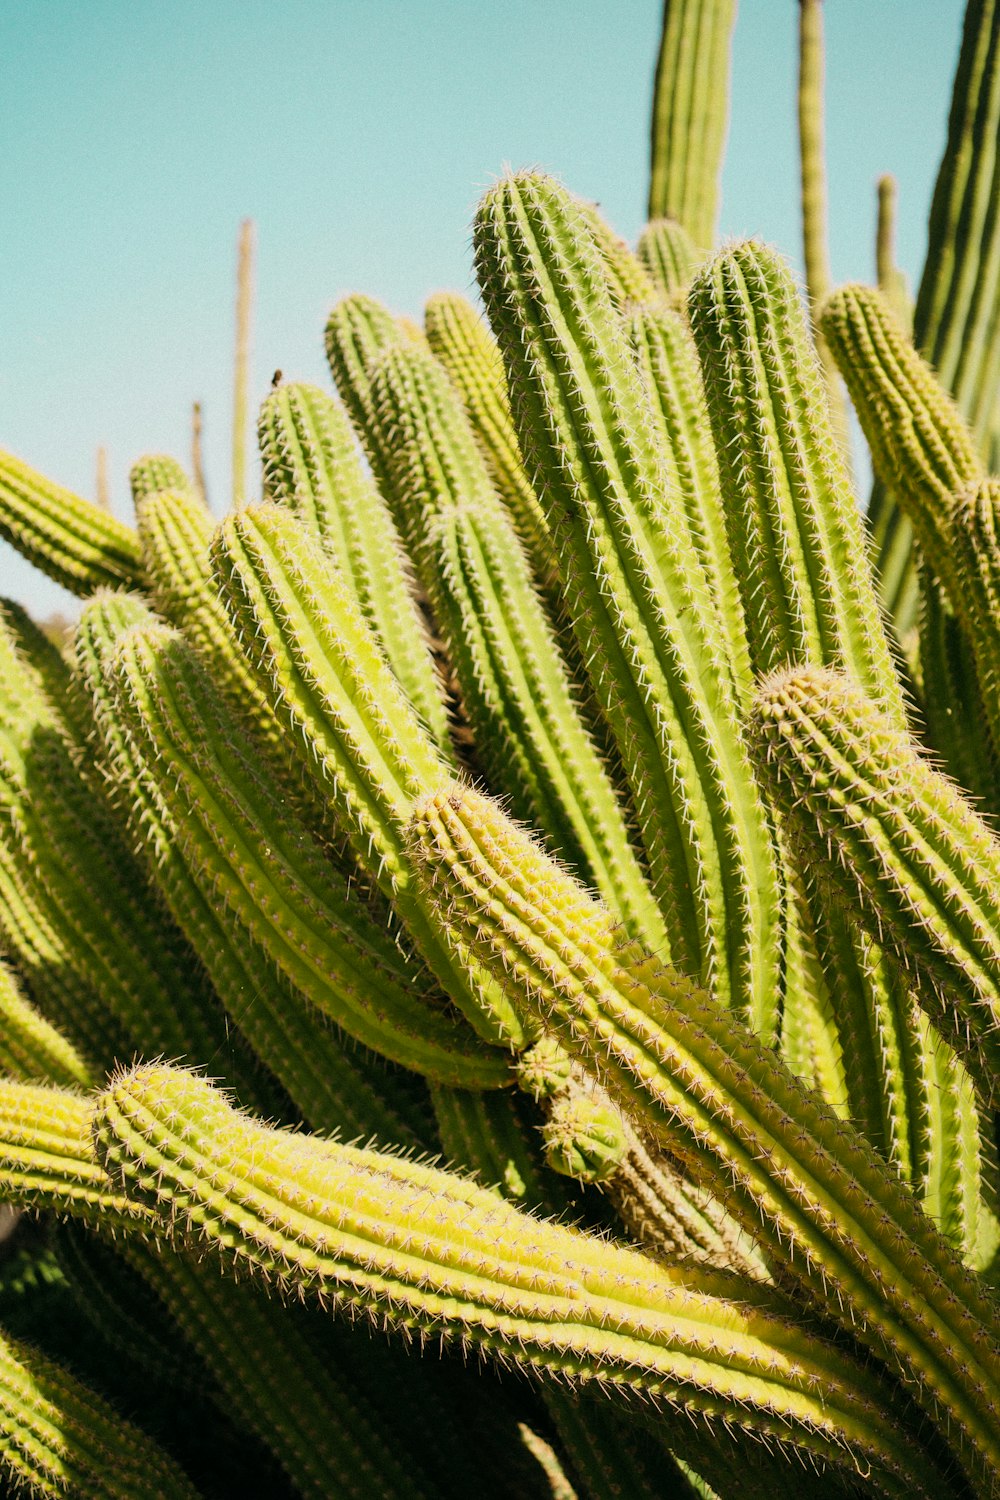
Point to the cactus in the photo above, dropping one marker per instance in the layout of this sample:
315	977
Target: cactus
923	868
480	1257
690	114
661	681
677	1094
810	1188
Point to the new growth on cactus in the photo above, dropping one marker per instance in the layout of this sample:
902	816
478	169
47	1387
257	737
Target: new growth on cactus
500	934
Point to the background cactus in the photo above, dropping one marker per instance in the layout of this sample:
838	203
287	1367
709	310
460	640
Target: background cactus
533	819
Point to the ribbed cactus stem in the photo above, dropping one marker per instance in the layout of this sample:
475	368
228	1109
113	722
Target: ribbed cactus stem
690	114
102	489
515	686
311	464
955	322
669	255
650	636
31	1048
334	1088
794	528
922	449
915	859
331	686
975	543
250	854
47	1159
197	451
76	543
357	331
334	1221
459	338
669	364
816	1196
59	1438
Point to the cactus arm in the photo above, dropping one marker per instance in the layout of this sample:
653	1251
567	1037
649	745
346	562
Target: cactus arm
690	111
76	543
157	471
818	1198
666	250
923	865
251	855
57	1437
311	464
31	1048
625	275
461	341
794	528
332	1087
241	359
669	365
47	1159
349	1225
922	449
631	573
357	331
974	533
890	279
366	749
959	716
514	683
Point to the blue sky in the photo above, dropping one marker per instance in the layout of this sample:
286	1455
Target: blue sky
358	136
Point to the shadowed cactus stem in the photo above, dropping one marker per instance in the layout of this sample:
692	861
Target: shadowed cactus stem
690	114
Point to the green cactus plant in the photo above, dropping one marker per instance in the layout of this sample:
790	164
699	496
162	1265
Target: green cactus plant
678	1094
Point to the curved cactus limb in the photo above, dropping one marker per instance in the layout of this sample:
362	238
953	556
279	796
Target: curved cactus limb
78	544
339	1222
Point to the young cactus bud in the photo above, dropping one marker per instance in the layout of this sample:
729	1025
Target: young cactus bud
812	1191
78	544
913	858
584	1137
456	1260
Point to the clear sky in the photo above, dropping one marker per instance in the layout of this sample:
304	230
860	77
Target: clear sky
136	136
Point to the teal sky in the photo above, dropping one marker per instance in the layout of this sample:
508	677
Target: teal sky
358	137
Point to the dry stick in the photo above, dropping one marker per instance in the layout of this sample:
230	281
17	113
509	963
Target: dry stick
812	165
103	495
244	299
197	459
